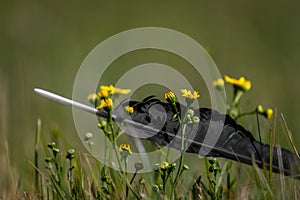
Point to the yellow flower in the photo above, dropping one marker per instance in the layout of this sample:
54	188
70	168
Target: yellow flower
170	97
188	94
105	103
124	147
240	83
164	165
219	83
269	113
129	109
109	88
105	91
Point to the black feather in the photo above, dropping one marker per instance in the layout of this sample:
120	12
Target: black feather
155	121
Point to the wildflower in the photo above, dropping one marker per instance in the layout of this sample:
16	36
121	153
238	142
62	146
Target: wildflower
105	103
93	98
125	148
106	91
109	88
219	83
164	165
240	83
170	97
125	151
188	94
129	109
268	113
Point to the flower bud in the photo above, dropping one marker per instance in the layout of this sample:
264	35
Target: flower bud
142	181
70	154
212	161
185	167
190	112
138	166
170	97
155	188
88	136
102	124
51	145
195	119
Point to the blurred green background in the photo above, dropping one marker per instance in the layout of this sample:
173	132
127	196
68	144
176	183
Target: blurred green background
43	43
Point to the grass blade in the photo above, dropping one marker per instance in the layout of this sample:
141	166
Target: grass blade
36	153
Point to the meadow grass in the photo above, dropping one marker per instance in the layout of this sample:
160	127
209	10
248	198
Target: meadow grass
60	172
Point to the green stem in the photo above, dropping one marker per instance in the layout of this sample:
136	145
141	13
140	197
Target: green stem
117	154
131	181
180	162
176	112
70	176
237	95
36	153
245	113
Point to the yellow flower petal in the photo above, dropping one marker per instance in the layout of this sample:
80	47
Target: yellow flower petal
124	147
106	103
129	109
240	83
170	97
188	94
121	91
269	113
218	83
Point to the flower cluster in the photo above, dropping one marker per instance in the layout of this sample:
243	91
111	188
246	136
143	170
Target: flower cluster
164	168
103	98
190	117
